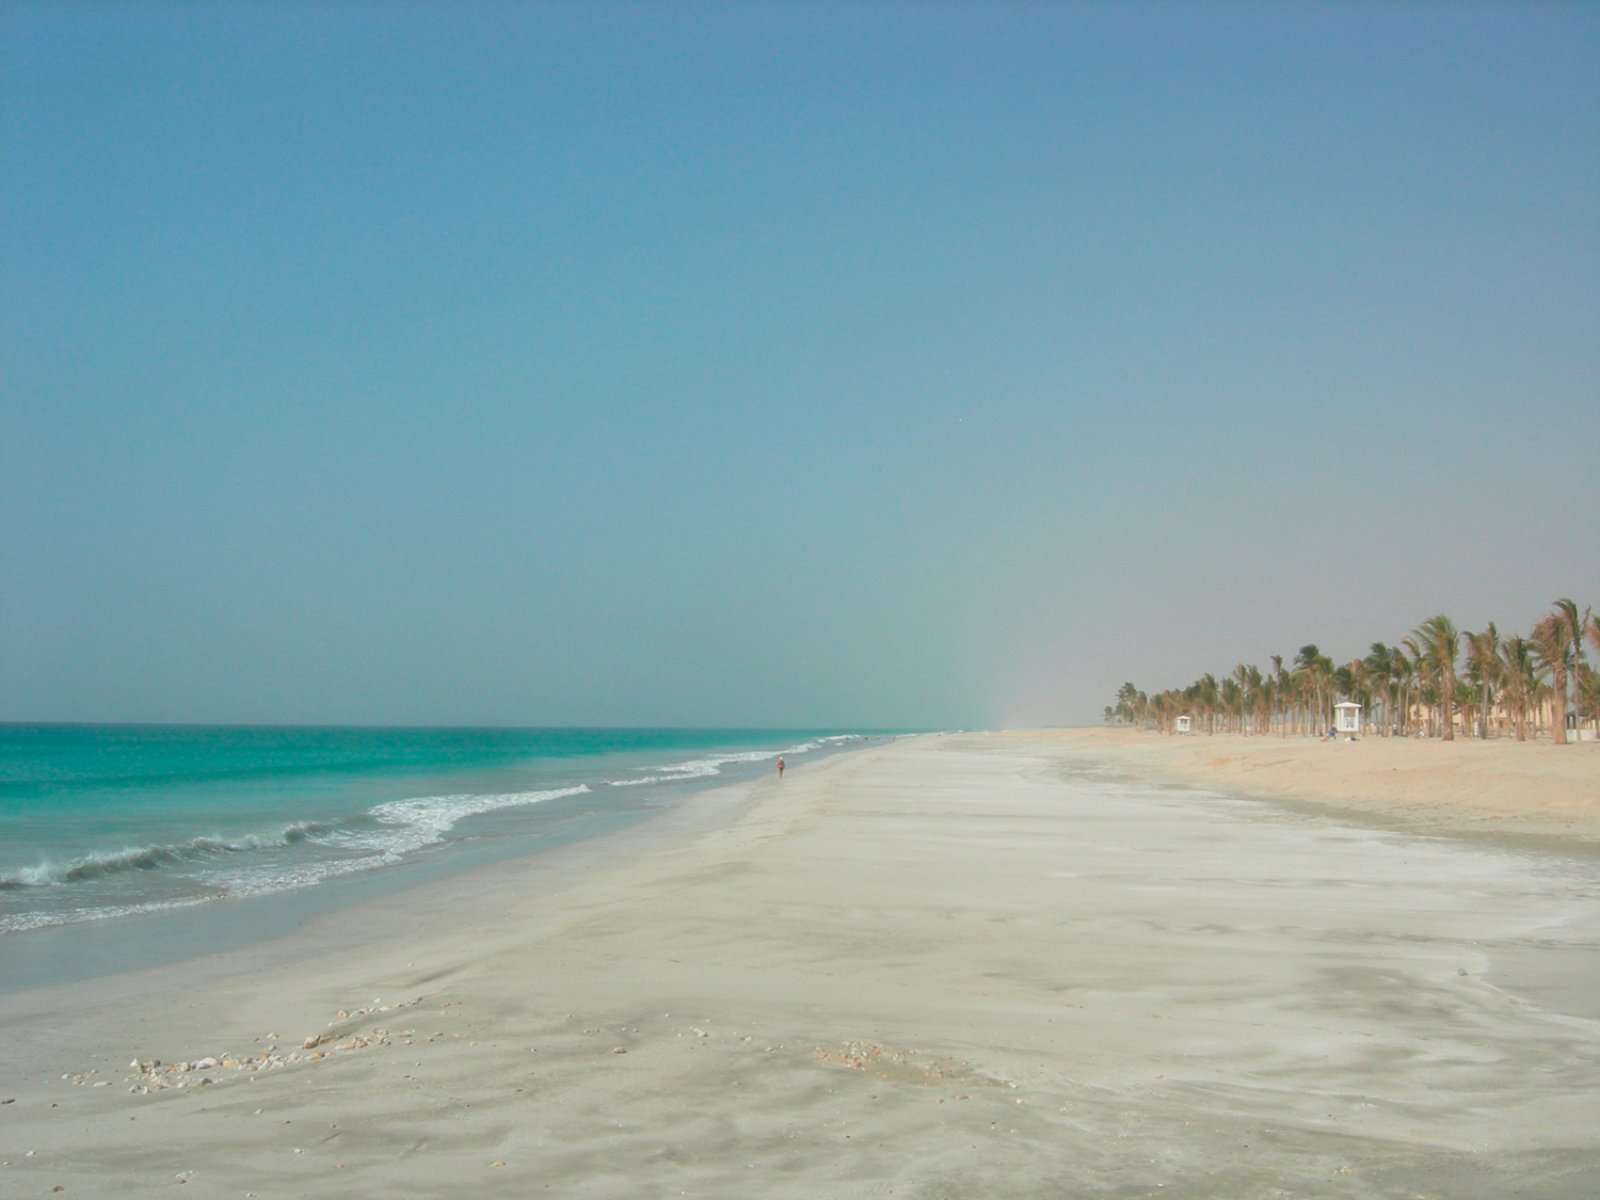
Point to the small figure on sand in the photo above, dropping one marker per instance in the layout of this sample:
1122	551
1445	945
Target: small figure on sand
780	766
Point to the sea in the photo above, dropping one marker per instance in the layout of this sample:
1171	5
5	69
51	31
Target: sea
138	845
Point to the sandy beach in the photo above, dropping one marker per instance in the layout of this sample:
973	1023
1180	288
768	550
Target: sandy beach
988	965
1499	786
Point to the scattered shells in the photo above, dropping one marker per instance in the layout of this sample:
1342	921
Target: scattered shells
151	1076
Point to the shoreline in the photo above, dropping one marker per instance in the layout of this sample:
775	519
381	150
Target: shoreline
1012	964
431	908
170	932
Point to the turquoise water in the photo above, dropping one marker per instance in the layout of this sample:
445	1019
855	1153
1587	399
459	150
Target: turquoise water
132	844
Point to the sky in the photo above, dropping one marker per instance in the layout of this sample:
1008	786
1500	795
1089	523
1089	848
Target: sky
779	364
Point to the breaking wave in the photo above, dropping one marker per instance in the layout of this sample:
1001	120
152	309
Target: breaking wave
150	858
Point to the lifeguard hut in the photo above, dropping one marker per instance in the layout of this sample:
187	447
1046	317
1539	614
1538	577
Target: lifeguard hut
1347	717
1182	723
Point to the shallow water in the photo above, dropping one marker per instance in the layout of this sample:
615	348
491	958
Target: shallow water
127	845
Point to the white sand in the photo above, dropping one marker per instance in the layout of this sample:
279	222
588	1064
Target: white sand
974	966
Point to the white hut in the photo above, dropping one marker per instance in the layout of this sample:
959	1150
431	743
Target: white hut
1347	717
1183	723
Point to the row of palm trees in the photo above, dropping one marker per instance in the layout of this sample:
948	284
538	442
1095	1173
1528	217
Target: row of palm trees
1434	681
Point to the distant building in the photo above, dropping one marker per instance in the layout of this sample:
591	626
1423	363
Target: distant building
1182	723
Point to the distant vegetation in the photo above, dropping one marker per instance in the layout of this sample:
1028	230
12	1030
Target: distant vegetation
1437	682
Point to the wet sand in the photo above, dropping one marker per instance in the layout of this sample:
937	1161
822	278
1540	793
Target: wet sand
974	965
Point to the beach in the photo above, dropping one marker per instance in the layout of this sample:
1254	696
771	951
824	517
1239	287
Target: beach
1048	963
1498	787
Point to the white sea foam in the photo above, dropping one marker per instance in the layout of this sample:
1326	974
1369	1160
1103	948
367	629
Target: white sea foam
406	826
410	825
101	863
20	922
704	768
238	884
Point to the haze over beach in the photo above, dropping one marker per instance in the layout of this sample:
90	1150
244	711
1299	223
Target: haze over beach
911	366
507	510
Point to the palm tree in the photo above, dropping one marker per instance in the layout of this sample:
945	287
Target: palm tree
1298	701
1466	702
1232	703
1428	698
1437	635
1412	681
1586	684
1390	666
1316	669
1124	711
1380	670
1556	638
1576	625
1518	680
1210	702
1168	705
1483	661
1410	668
1158	709
1246	696
1259	692
1419	676
1343	680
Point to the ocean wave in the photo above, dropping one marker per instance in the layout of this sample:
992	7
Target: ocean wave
404	826
407	826
100	864
300	854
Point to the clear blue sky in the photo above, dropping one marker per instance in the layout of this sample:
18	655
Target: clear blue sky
905	365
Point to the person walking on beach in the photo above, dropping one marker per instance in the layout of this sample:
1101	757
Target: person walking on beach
780	766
